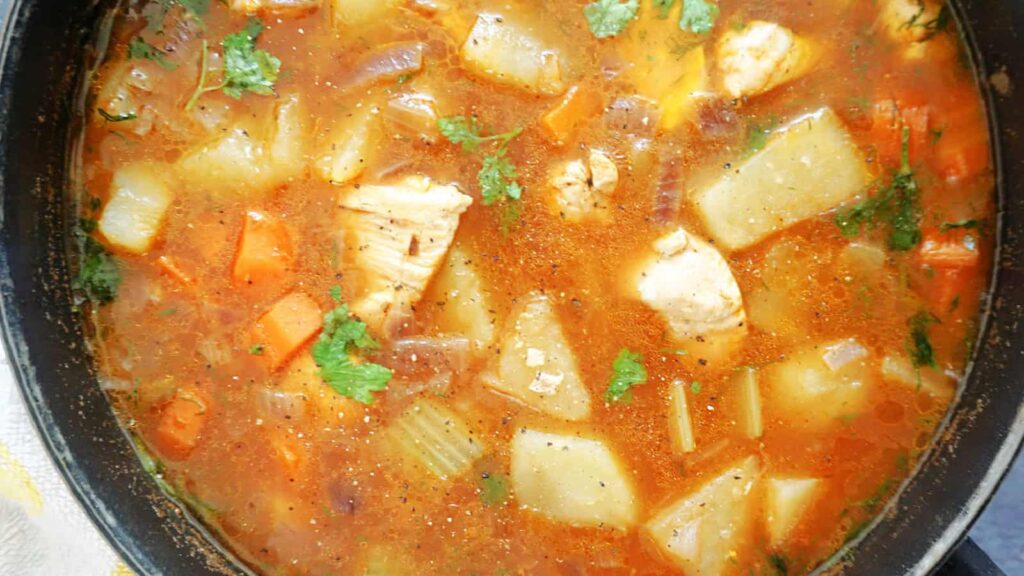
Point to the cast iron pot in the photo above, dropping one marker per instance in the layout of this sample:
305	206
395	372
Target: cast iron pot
43	50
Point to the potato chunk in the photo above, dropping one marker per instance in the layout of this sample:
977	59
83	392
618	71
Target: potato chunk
396	236
690	284
346	150
139	199
572	480
536	365
352	13
699	532
786	501
760	56
810	167
467	309
505	53
816	385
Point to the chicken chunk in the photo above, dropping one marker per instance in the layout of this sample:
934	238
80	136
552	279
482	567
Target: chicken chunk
583	189
690	284
396	236
759	57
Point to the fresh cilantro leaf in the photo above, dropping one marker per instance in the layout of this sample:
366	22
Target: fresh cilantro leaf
896	205
493	489
342	337
664	6
607	18
967	224
698	16
757	136
466	132
920	347
156	11
142	50
168	312
695	387
335	293
116	117
245	67
99	274
627	371
256	349
497	178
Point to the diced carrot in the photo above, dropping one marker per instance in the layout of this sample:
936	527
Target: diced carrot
288	450
181	422
962	150
947	285
956	248
578	104
890	119
171	268
264	250
290	323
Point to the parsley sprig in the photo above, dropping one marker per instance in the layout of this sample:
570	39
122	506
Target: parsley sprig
607	18
497	175
245	67
99	275
342	338
139	49
627	371
920	347
698	16
896	205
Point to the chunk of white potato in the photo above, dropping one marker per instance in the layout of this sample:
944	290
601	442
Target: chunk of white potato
124	91
760	56
583	189
397	235
467	308
273	6
345	154
898	368
690	284
571	479
506	53
353	13
139	198
536	365
700	532
786	501
435	438
816	385
909	21
809	167
251	159
680	426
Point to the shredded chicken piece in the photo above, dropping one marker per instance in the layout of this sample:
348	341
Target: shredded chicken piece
690	284
397	236
583	189
760	56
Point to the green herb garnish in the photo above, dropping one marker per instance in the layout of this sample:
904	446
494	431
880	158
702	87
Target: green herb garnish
967	224
497	175
919	346
142	50
896	205
493	489
695	387
698	16
246	69
607	18
116	117
343	337
155	12
627	371
256	349
99	275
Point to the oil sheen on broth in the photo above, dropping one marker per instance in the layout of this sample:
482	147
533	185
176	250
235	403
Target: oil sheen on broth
436	287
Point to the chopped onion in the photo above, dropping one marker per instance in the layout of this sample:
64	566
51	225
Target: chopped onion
387	63
413	115
838	355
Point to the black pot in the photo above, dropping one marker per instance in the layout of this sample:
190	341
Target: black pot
44	46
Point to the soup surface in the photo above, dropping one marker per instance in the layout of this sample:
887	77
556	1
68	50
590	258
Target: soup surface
436	287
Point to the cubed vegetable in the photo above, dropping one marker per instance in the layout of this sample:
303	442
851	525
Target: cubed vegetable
353	13
264	250
759	56
502	51
786	502
433	437
955	248
816	385
680	427
805	169
346	152
701	532
273	6
899	369
468	309
301	381
139	199
289	324
181	422
571	479
536	365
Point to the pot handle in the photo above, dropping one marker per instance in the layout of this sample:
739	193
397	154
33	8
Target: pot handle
969	560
